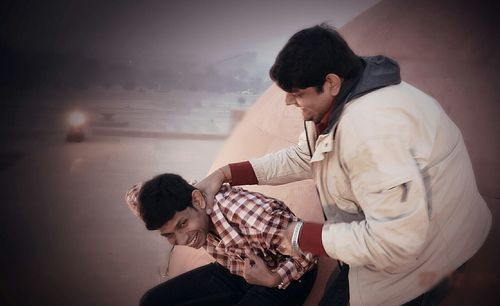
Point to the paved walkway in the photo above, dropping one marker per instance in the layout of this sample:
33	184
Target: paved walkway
67	238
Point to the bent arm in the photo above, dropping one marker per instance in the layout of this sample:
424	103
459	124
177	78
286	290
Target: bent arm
262	220
281	167
284	166
271	225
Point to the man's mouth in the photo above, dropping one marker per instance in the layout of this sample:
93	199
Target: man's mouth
194	240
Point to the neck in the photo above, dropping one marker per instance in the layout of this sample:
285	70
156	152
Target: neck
211	228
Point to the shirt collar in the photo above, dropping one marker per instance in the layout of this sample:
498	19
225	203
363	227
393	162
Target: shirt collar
323	124
228	235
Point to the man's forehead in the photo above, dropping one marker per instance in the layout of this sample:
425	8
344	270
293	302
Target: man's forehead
301	90
171	224
168	227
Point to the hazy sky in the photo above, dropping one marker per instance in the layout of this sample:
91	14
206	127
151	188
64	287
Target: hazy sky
164	30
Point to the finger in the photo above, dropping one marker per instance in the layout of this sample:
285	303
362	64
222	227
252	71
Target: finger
254	259
247	262
281	248
252	255
209	203
209	200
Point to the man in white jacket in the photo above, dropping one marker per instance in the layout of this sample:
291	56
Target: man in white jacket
393	174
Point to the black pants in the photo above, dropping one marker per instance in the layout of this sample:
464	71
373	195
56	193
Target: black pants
337	288
213	284
337	291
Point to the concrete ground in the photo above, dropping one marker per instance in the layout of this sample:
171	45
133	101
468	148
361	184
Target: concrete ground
66	235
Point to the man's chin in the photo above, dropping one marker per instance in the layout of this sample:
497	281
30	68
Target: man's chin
201	242
310	118
307	118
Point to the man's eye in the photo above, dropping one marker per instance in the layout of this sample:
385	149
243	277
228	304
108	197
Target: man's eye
183	223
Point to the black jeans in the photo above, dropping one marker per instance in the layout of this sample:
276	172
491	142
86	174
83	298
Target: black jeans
213	284
337	288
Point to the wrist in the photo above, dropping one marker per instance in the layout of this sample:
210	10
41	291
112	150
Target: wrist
221	175
225	174
243	172
295	236
310	239
275	280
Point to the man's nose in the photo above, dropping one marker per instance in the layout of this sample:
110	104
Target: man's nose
290	99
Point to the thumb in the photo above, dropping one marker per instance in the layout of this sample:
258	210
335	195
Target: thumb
247	261
251	255
209	203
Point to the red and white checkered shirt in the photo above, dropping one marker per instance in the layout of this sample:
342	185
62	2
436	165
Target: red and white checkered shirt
249	221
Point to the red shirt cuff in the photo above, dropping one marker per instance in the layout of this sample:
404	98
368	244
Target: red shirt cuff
242	174
310	239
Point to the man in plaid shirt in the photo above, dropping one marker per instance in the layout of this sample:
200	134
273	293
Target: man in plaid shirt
242	232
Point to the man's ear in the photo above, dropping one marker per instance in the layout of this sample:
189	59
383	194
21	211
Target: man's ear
198	199
333	83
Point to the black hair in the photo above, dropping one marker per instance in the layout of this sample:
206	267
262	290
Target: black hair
311	54
161	197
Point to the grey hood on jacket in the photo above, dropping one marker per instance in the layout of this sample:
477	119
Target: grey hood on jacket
377	72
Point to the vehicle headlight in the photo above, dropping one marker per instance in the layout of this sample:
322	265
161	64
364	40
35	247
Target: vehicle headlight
76	118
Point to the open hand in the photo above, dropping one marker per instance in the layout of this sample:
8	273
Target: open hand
209	186
256	272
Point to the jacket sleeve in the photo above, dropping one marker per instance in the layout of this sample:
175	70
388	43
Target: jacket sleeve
285	166
389	189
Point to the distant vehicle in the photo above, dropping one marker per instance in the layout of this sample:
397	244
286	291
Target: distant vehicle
77	121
